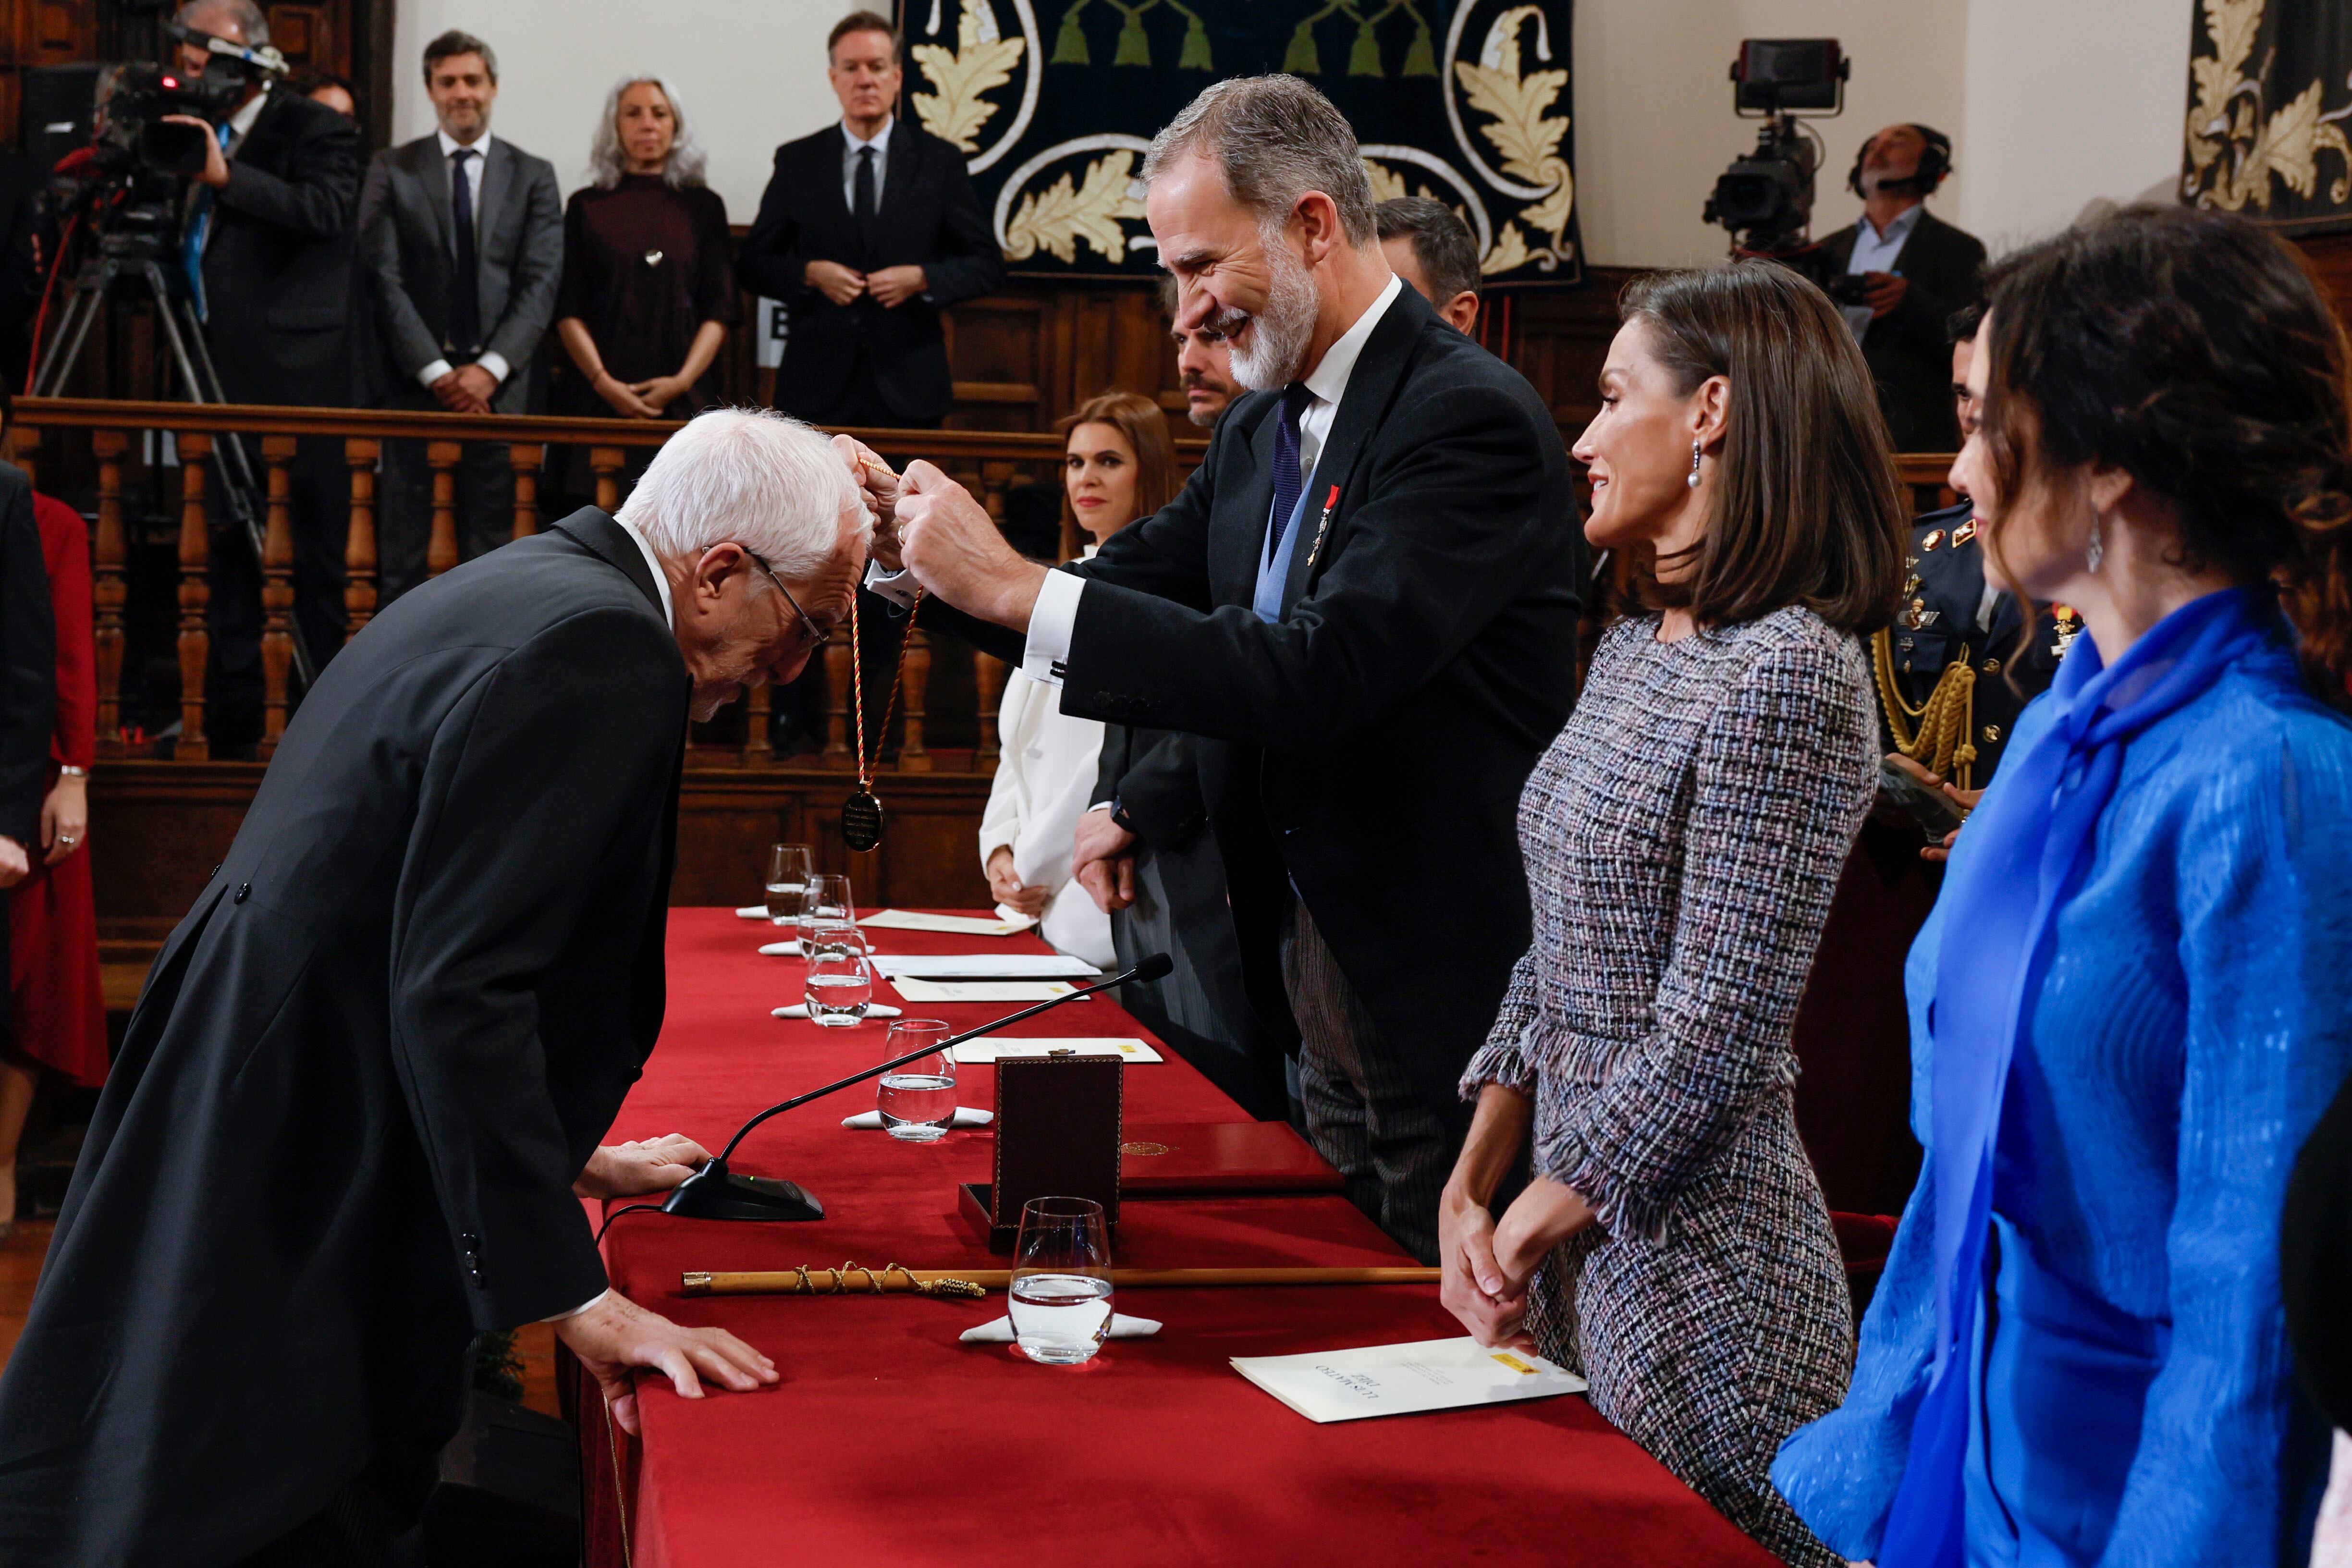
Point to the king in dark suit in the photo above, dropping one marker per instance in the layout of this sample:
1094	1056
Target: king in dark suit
364	1089
867	231
1364	605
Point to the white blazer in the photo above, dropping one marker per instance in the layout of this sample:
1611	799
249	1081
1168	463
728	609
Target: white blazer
1044	777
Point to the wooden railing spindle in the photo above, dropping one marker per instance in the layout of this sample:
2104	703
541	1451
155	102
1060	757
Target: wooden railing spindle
988	674
604	462
110	587
277	589
757	752
441	553
525	458
195	595
358	551
840	671
914	757
23	442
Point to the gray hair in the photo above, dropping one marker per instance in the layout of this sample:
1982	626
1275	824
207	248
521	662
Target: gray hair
244	13
751	477
605	159
1275	139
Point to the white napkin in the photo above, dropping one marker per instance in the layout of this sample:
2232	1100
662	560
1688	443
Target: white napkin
999	1332
788	948
799	1010
871	1120
752	912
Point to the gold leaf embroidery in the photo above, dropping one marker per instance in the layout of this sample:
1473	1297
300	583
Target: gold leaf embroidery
1387	184
2233	154
957	113
1527	140
1057	217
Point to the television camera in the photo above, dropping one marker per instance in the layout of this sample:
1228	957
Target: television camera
1766	198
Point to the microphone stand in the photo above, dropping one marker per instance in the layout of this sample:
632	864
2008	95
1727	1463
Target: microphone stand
715	1191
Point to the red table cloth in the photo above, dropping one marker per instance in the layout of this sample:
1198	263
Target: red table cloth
888	1441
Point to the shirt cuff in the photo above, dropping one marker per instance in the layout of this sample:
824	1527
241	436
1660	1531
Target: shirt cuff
580	1308
433	372
1050	622
495	364
899	587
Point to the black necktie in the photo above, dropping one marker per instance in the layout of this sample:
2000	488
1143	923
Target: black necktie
466	295
1286	477
862	208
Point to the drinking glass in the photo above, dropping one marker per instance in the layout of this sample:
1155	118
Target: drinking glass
839	987
829	934
1061	1281
826	899
918	1102
788	875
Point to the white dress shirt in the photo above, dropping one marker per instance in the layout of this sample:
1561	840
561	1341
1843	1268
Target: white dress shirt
881	146
491	360
1876	252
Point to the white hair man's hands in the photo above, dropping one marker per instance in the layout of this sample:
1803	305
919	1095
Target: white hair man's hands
953	547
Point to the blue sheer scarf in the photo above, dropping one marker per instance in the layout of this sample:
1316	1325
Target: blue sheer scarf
2021	856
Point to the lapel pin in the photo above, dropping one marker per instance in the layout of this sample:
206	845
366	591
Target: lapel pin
1329	503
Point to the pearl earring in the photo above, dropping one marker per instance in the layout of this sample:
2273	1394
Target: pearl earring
1693	481
2095	550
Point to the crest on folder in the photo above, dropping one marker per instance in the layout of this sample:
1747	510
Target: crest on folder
1054	103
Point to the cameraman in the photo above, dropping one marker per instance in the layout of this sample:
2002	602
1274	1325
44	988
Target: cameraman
267	249
1905	274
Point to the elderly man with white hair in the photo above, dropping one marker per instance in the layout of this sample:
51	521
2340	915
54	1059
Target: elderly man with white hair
363	1091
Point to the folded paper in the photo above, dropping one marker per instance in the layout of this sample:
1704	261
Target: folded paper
955	925
912	990
983	966
999	1332
799	1010
1406	1379
871	1120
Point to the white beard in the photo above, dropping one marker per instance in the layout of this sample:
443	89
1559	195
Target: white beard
1279	333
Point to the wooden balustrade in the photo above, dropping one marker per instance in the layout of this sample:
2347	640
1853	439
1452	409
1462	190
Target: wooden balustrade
987	462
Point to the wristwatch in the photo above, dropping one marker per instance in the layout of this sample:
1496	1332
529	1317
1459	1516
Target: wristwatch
1120	820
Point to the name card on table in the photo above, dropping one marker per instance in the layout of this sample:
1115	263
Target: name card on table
1404	1380
998	1049
1058	1120
957	925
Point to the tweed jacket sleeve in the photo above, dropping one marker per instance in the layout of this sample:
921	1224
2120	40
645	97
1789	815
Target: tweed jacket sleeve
1505	1057
1778	785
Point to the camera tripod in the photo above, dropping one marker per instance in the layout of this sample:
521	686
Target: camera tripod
122	264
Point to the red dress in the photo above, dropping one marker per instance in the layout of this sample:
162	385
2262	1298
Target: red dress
59	1008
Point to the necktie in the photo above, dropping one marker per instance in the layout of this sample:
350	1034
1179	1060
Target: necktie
1286	477
466	293
862	208
192	257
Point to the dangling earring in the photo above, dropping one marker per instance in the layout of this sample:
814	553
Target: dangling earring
1693	481
2096	549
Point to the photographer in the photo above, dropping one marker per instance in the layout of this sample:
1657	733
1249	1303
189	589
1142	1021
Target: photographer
1904	274
267	250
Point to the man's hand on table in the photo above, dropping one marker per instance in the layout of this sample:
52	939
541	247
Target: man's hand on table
1101	859
632	1170
613	1336
956	552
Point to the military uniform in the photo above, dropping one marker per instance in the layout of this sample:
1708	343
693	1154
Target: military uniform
1944	668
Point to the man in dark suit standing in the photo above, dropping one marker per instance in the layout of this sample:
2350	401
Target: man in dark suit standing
866	231
268	251
1364	605
362	1094
1915	273
461	235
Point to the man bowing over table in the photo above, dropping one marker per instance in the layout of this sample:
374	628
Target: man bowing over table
369	1071
1365	600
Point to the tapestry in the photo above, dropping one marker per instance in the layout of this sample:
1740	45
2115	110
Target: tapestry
2270	93
1055	102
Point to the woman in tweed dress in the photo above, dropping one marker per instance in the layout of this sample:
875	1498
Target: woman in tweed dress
1683	837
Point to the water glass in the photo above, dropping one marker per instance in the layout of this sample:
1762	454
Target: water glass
1061	1281
825	899
839	987
788	875
827	934
917	1100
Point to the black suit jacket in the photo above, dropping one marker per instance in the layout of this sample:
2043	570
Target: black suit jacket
29	666
929	216
1380	733
1909	357
278	258
340	1134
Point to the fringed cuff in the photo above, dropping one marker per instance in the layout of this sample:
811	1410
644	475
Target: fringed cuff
1621	1207
1506	1060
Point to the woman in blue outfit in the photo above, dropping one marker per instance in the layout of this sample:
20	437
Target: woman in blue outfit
2134	998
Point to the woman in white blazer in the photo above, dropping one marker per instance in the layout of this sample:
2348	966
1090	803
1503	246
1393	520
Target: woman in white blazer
1120	466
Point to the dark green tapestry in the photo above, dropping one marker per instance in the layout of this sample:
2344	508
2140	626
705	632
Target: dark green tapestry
2270	94
1053	102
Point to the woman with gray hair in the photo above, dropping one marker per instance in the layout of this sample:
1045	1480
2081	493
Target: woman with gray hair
648	287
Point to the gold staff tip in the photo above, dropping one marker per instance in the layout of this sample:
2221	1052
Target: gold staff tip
695	1282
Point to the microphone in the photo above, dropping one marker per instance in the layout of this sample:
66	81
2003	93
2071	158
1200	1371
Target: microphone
715	1191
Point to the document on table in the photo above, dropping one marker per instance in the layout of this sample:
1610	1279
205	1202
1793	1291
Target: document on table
957	925
983	967
996	1049
1403	1380
910	989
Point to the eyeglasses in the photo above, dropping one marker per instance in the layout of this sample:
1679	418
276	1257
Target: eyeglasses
816	638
